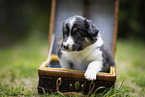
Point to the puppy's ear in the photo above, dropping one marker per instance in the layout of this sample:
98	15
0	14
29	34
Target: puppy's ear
91	27
87	22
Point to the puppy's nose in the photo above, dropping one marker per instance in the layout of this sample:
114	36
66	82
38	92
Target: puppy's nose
66	46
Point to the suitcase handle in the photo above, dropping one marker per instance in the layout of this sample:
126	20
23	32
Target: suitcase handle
91	88
58	84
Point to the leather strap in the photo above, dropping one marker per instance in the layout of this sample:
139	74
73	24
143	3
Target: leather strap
91	88
58	84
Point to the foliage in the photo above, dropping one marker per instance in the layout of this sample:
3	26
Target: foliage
19	18
131	19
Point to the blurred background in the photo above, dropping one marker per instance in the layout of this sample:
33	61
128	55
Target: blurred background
19	19
24	28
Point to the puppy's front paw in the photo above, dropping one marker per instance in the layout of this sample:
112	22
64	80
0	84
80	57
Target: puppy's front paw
90	75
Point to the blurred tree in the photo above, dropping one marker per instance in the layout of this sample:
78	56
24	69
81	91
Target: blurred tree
131	19
18	18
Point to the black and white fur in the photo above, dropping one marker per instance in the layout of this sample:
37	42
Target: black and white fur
83	49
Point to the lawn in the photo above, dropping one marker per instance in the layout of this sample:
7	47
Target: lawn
19	68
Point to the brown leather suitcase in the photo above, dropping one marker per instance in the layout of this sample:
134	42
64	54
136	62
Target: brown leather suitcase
66	80
52	78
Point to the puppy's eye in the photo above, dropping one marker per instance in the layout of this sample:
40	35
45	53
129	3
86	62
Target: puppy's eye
65	29
75	29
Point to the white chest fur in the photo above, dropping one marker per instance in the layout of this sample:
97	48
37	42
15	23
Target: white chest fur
81	59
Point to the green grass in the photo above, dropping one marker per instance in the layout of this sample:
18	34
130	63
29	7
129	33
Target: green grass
131	56
19	68
19	65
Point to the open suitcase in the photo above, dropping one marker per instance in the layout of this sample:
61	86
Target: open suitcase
52	78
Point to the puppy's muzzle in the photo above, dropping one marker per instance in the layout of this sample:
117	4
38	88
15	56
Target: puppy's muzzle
70	47
66	46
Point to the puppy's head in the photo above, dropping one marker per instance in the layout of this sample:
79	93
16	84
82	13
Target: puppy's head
78	33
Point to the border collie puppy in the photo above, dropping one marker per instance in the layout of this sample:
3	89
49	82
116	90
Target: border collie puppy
82	48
